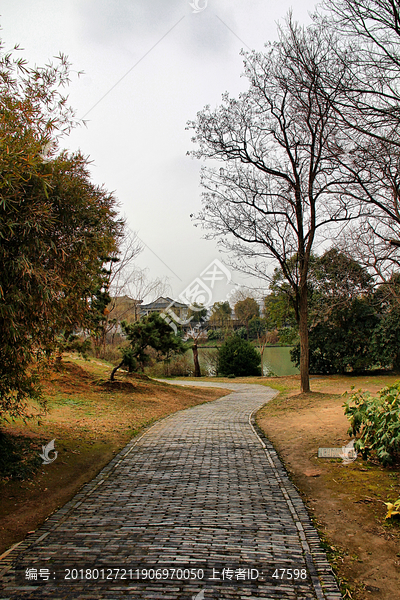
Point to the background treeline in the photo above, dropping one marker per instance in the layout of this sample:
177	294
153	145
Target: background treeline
353	320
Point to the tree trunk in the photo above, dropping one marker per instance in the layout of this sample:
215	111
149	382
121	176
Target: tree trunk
303	331
115	369
197	372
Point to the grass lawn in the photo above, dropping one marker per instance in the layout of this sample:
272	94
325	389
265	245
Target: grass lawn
91	422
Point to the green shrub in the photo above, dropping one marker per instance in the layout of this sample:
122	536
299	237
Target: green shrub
377	420
19	456
343	342
218	334
238	357
289	335
76	344
213	334
241	332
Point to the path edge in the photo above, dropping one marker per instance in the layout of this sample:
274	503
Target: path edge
325	583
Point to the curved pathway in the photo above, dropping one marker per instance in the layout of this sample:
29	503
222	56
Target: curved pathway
199	507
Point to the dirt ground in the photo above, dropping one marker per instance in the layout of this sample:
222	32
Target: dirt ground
346	501
91	421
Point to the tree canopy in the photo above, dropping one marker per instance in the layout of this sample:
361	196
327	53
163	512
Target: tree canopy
221	313
279	141
238	357
57	229
246	309
353	326
197	313
153	332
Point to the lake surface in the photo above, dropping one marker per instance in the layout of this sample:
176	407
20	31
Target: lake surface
276	360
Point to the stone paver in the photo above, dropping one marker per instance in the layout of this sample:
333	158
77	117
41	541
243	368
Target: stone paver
200	501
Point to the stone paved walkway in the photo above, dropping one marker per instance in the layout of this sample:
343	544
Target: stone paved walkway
199	507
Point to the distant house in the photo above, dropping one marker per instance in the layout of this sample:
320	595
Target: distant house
123	308
161	304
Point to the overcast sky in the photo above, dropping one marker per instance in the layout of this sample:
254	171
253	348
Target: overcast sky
149	67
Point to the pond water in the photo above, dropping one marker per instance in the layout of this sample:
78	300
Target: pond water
276	360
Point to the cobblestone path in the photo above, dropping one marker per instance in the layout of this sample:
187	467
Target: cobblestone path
197	508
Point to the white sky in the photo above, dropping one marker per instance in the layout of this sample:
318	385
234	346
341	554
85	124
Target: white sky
175	61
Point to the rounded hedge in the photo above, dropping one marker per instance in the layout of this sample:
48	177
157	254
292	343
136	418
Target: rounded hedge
238	357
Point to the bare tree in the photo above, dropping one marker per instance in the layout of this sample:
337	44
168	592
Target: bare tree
127	279
368	42
369	244
128	285
376	23
279	188
196	335
369	108
210	358
122	265
241	292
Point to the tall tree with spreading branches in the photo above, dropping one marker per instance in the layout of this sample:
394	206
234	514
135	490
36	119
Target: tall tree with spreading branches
368	111
368	41
276	194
